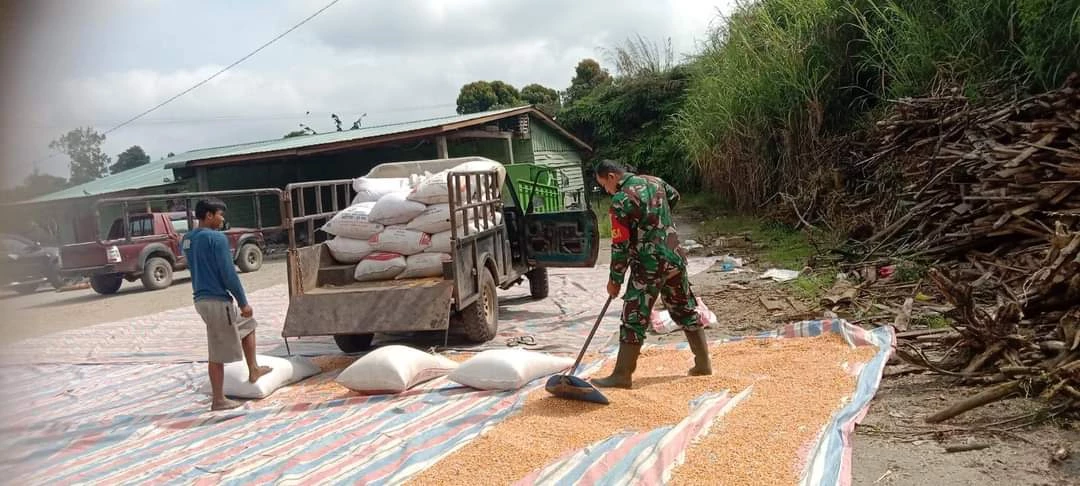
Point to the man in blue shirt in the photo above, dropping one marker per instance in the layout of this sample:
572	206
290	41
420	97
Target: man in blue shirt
230	333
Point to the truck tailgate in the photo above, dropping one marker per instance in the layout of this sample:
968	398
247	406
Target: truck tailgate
370	307
83	255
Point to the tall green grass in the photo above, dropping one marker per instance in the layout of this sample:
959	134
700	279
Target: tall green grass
779	76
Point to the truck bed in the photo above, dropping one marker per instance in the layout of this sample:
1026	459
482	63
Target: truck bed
377	286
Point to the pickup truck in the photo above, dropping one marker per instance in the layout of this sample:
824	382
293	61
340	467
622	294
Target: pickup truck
146	246
324	299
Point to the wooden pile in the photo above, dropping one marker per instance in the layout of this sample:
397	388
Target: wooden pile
990	196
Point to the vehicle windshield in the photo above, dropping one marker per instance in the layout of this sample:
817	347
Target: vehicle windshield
139	226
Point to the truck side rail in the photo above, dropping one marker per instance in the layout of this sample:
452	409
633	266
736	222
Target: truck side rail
476	206
189	198
330	197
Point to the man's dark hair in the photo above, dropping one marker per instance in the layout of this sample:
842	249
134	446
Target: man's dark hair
608	166
208	206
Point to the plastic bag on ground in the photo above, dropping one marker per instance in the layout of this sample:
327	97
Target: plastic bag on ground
662	323
507	369
393	369
370	190
353	222
394	208
348	250
379	266
422	265
400	241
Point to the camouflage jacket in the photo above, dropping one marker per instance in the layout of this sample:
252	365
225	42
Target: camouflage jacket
642	229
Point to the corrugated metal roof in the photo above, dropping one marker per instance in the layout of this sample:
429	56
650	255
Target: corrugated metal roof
335	137
160	172
149	175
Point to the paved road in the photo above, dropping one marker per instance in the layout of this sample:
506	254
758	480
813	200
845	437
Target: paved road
49	311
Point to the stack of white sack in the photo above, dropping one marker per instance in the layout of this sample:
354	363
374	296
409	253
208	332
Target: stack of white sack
400	228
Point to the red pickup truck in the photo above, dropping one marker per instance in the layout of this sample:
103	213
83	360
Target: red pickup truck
149	248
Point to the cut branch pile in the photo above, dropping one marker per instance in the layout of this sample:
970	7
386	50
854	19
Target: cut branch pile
989	195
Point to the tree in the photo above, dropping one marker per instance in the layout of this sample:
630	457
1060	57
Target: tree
129	159
83	147
588	75
480	96
295	133
545	99
35	184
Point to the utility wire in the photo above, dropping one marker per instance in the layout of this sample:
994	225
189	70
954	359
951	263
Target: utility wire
230	66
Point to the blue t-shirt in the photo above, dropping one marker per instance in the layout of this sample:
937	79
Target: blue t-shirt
211	265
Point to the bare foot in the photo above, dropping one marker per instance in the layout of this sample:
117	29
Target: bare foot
254	376
224	404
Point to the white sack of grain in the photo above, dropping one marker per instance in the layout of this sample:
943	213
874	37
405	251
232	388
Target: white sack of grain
370	190
348	250
286	371
401	241
662	323
394	208
433	189
353	222
393	369
434	219
422	265
507	369
440	243
379	266
482	165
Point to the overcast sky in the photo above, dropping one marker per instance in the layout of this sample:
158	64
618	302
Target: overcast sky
97	63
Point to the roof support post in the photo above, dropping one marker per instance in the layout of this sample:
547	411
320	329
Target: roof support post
200	179
510	150
440	146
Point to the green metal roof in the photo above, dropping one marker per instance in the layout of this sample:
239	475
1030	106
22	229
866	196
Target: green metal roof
295	143
160	172
149	175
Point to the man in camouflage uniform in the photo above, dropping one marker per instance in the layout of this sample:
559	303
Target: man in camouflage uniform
644	240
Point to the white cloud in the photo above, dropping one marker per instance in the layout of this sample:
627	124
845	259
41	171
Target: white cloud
394	60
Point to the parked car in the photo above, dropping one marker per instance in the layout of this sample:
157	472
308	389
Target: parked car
147	247
27	264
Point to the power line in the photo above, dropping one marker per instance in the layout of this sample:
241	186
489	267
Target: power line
259	117
230	66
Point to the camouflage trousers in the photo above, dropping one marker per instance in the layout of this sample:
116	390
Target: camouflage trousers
649	279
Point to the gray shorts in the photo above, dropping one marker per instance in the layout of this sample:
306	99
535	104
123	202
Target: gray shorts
224	329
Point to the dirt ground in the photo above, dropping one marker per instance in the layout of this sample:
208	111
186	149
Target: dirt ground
893	446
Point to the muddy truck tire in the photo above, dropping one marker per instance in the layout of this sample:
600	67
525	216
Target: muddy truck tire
538	283
480	320
353	343
106	284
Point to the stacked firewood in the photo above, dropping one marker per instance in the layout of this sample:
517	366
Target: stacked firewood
989	195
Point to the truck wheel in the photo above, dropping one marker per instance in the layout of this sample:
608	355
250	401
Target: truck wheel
480	320
538	283
353	343
27	289
106	284
250	258
157	273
